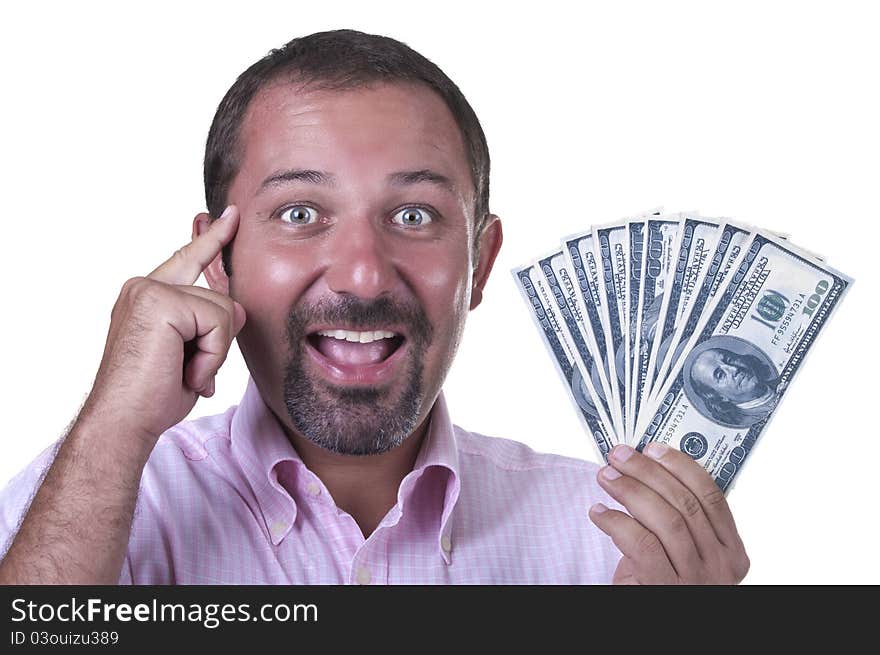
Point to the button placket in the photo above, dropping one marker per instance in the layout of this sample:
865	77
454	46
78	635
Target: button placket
370	563
362	575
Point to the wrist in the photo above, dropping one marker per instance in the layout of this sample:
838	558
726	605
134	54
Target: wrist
110	441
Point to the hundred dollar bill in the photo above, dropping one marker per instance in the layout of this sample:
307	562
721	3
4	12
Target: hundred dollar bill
660	237
581	258
695	242
728	250
610	248
545	315
743	355
578	334
636	246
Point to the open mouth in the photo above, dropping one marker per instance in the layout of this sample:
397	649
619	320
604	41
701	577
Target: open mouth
356	356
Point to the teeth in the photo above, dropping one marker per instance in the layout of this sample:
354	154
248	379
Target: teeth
358	337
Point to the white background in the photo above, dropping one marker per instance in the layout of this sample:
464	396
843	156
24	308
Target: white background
762	111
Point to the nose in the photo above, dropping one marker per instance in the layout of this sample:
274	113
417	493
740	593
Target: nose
361	262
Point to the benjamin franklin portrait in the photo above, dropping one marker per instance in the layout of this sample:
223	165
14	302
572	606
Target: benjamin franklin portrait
731	381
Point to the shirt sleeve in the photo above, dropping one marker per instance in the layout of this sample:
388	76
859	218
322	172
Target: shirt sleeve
16	498
125	576
17	495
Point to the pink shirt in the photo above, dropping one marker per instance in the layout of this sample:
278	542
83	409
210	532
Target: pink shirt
225	499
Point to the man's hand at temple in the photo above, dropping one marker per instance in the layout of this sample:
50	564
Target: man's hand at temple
168	337
166	341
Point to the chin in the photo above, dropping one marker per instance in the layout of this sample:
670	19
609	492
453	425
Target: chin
354	418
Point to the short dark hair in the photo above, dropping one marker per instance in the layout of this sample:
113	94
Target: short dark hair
337	60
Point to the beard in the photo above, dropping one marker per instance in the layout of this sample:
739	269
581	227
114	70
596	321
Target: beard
356	420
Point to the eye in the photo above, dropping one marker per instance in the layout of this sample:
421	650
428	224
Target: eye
299	215
719	375
412	216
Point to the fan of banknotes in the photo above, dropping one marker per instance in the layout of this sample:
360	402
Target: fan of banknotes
680	329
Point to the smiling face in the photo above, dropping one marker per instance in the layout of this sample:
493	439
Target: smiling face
353	258
728	374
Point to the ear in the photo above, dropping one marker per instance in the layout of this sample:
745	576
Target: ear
490	243
215	276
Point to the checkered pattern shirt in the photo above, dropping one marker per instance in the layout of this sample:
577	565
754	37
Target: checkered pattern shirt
225	499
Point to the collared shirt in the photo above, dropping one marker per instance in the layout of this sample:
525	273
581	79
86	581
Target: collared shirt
226	499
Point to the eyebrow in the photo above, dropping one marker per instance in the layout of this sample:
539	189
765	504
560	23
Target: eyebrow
281	178
405	178
400	178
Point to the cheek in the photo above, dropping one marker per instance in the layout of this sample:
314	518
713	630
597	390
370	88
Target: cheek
442	281
449	288
268	282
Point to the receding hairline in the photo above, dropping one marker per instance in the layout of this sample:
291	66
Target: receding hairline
317	86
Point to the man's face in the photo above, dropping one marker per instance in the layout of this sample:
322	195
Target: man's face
352	258
728	374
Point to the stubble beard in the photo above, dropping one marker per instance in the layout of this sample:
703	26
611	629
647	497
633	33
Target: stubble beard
356	420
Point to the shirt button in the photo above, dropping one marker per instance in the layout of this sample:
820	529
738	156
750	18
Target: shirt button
313	489
446	543
363	575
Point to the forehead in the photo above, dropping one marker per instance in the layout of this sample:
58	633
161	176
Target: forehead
377	129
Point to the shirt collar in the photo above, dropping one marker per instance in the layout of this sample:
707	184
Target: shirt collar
260	444
264	452
439	449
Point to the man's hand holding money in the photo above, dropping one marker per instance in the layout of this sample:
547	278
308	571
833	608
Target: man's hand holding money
680	528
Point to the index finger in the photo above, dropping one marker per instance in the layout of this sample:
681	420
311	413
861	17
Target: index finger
185	265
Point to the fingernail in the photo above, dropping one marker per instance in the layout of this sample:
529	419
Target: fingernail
610	473
598	508
621	453
656	450
226	212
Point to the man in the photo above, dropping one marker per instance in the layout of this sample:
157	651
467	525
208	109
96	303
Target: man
738	390
355	238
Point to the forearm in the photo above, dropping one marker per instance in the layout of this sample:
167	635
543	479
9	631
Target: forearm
77	528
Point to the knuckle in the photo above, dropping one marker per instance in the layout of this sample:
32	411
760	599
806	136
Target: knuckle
148	293
689	505
649	545
225	302
181	254
131	285
714	497
228	308
138	294
219	316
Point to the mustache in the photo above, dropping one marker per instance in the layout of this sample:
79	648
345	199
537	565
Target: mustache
365	314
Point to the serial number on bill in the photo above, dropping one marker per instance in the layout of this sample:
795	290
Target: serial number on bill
46	638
